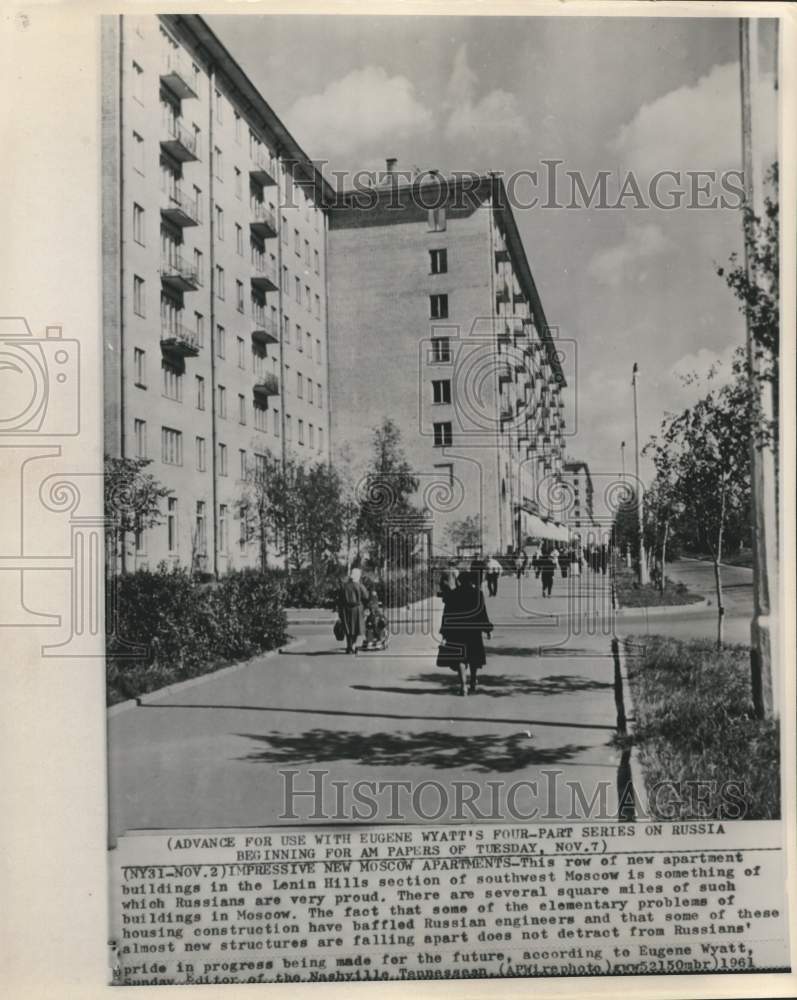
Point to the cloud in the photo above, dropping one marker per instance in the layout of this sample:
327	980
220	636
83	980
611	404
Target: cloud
695	127
701	370
359	111
611	267
497	113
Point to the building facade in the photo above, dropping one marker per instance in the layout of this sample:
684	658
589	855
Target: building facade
436	322
214	298
581	515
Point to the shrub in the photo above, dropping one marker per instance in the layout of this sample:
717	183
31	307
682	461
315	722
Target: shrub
188	628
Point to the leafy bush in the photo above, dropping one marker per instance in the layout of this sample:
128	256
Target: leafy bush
187	628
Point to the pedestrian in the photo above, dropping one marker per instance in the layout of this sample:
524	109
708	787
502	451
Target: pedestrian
575	562
464	621
547	568
493	572
518	565
352	598
448	578
477	568
564	563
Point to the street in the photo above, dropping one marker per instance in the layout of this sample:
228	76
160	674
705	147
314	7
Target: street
210	755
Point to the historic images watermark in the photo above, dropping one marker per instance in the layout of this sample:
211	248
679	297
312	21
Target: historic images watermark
312	796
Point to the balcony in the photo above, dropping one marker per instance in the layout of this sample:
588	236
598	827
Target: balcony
180	209
264	333
502	292
519	296
263	168
504	372
177	74
177	341
262	220
504	330
264	276
266	386
502	255
178	142
507	413
178	274
518	329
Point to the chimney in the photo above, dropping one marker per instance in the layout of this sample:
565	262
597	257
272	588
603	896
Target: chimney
390	164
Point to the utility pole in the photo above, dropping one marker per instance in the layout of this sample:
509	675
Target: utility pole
763	632
622	460
643	568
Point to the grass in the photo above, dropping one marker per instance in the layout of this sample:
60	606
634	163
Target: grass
631	595
694	723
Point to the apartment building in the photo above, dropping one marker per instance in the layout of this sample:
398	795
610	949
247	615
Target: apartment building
581	515
214	298
436	322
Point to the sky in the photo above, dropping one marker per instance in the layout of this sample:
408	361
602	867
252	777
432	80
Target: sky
599	94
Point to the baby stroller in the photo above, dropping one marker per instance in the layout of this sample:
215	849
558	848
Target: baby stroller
377	635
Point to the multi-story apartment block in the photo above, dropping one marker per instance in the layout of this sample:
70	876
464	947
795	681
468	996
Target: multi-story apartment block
436	322
581	516
214	284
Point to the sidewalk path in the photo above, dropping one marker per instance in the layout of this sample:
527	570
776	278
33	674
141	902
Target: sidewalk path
211	755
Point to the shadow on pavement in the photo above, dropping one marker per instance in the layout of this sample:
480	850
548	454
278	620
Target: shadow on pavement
495	686
429	749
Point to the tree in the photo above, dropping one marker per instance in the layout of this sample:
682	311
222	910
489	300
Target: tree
132	500
385	490
320	515
349	504
466	533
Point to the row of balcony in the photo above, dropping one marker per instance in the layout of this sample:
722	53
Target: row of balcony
183	276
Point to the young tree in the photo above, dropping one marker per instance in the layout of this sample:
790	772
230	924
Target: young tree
465	533
320	516
132	499
385	489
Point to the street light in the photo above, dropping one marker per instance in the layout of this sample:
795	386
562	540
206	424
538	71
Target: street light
643	569
622	460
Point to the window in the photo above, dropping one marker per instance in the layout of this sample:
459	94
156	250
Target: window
138	83
310	436
140	433
441	391
221	341
286	330
199	266
219	281
138	296
319	396
288	428
200	529
138	224
299	385
297	243
438	306
221	401
300	424
200	392
316	262
275	426
219	222
437	219
309	392
140	367
318	351
237	127
171	446
239	240
223	527
222	459
308	339
241	353
318	307
320	438
238	184
201	461
307	252
138	152
242	463
441	350
219	107
298	290
438	261
242	537
140	538
261	417
307	298
239	295
219	164
172	382
171	524
199	325
284	280
442	434
241	408
298	338
284	231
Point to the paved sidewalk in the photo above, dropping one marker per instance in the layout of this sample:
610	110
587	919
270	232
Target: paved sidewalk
211	756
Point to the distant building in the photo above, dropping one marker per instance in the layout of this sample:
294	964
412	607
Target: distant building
582	515
214	297
436	322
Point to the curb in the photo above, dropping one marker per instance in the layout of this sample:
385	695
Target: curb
637	776
661	611
151	696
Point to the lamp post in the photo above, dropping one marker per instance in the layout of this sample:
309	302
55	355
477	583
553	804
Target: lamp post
643	569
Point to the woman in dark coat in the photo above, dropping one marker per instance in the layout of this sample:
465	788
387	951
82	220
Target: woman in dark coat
352	598
464	621
547	569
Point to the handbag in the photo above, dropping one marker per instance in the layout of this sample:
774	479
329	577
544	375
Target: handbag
450	654
339	630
